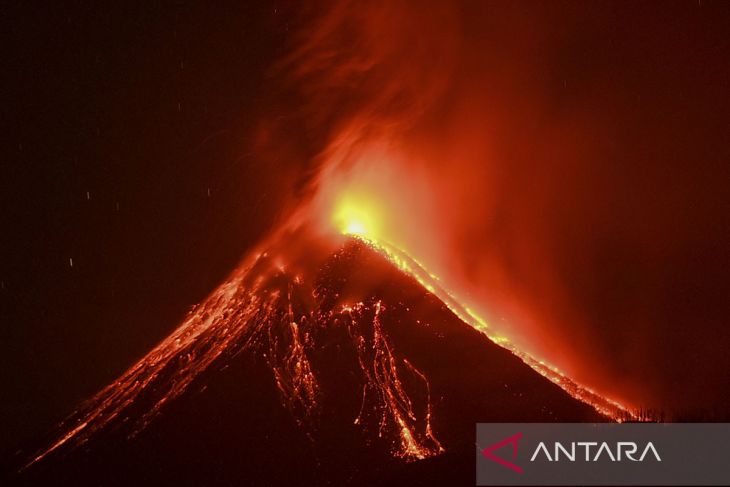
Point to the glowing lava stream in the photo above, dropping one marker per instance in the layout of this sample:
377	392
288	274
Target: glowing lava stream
264	309
410	266
355	213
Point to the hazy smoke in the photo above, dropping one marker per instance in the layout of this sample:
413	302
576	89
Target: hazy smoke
554	163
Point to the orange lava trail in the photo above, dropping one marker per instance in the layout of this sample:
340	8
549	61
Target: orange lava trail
381	369
407	264
260	309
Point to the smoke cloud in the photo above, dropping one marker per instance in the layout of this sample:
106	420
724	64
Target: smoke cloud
561	166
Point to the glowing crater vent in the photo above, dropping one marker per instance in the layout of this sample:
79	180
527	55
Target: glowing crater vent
263	310
359	217
356	215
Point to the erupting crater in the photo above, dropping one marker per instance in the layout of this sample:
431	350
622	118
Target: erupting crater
358	343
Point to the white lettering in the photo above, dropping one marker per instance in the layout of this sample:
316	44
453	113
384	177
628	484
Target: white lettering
604	447
623	449
650	446
629	454
559	446
587	444
542	447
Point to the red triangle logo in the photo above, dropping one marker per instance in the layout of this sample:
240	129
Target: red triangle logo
488	452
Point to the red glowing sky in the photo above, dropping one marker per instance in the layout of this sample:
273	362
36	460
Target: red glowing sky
561	166
548	164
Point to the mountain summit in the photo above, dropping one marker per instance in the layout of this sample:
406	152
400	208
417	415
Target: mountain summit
306	365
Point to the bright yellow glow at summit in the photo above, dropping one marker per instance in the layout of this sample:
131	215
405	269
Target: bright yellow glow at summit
356	214
356	227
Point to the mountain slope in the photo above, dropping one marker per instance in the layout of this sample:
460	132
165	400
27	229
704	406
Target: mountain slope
306	365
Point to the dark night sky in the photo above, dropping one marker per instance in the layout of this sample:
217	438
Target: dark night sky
130	146
150	110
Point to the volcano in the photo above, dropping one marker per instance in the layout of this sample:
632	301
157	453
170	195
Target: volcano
311	364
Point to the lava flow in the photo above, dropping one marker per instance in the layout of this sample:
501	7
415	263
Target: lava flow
275	306
266	309
410	266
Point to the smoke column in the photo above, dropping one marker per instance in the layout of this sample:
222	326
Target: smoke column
524	156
